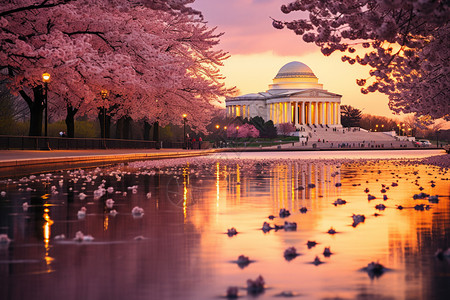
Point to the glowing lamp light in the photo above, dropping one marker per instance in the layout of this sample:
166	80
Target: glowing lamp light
217	126
104	94
184	115
46	77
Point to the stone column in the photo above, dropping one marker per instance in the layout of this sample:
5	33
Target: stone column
339	113
328	113
316	113
289	112
309	113
280	105
303	113
332	113
276	107
323	114
272	113
295	113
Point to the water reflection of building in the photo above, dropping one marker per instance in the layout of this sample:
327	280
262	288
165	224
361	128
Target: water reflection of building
290	185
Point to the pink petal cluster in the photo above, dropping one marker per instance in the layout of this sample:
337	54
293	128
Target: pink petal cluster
157	59
405	42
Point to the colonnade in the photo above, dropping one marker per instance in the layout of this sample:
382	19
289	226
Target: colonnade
295	112
305	112
239	111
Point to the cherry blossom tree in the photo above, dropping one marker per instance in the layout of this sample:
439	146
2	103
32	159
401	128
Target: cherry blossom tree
248	131
405	42
244	131
155	58
285	128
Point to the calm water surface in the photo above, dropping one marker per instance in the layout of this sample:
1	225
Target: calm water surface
185	252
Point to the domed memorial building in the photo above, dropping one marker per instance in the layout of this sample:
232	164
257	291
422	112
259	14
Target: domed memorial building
295	96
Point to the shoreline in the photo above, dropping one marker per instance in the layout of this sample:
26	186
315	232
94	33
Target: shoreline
51	161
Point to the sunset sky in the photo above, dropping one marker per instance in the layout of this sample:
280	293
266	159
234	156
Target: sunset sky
258	51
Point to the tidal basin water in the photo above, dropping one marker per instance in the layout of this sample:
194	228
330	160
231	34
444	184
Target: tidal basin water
178	248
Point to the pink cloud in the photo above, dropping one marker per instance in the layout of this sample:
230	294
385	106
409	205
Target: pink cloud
248	27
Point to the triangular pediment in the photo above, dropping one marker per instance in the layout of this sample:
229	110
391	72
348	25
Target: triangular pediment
313	93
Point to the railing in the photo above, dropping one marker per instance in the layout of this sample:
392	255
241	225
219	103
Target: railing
8	142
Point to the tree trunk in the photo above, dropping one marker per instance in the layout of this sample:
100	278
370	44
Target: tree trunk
127	128
147	128
119	128
70	121
123	128
108	126
156	134
105	123
36	107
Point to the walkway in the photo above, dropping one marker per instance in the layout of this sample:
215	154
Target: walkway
22	162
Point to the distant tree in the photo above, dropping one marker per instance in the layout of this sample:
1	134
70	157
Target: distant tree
266	129
6	110
285	128
247	131
370	122
258	122
406	43
350	116
269	130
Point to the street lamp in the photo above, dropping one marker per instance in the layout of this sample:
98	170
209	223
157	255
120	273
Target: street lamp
376	129
437	138
217	138
184	130
46	79
104	94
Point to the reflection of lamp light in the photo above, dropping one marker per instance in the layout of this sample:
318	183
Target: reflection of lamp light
185	192
47	233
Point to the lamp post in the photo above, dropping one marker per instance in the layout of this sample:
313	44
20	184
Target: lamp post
104	94
217	135
184	131
376	127
437	138
46	79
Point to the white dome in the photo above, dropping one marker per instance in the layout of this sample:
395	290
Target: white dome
295	69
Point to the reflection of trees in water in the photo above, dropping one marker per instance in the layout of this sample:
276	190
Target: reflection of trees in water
420	262
163	266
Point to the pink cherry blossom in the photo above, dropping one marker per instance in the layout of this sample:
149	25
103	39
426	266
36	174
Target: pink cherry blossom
406	41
